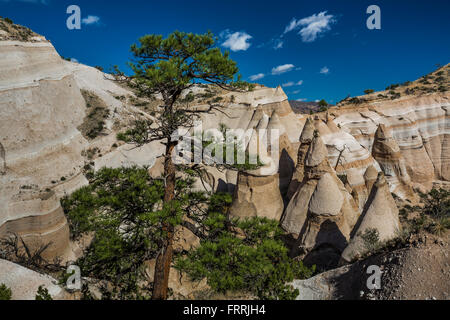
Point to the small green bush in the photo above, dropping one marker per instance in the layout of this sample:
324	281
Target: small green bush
5	292
43	295
371	238
323	103
256	261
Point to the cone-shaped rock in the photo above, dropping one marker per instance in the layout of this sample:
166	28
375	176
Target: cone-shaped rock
387	152
317	152
370	176
321	214
305	141
381	214
327	199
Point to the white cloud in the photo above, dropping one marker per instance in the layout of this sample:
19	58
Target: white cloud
257	76
278	44
237	41
282	69
291	83
292	25
91	20
311	27
296	92
301	99
324	70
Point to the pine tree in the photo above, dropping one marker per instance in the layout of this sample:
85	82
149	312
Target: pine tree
169	67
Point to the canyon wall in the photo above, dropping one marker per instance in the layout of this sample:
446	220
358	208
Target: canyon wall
42	152
40	108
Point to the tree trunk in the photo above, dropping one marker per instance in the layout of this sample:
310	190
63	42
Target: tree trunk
164	259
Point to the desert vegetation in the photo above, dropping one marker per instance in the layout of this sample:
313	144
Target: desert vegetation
124	209
432	216
97	113
436	81
14	31
5	292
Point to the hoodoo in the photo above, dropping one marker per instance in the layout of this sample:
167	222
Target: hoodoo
380	216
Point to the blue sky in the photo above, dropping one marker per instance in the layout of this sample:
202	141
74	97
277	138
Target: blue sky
327	53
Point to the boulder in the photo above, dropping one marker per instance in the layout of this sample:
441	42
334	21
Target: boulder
24	283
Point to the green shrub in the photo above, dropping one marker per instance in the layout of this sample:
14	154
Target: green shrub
8	20
371	239
435	216
5	292
369	91
392	87
254	260
323	103
43	295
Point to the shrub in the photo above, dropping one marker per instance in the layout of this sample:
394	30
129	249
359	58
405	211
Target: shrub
371	239
253	259
323	103
94	122
435	216
8	20
405	84
392	87
5	292
43	295
369	91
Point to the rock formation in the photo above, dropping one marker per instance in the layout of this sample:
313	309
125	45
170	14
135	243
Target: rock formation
370	177
257	196
40	108
24	283
305	141
321	214
316	185
386	151
417	122
381	214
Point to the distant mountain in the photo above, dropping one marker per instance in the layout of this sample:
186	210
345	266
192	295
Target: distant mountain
304	106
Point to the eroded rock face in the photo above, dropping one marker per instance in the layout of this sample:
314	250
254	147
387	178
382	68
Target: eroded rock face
24	283
327	198
381	214
305	141
257	196
387	152
326	181
40	108
418	124
321	214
